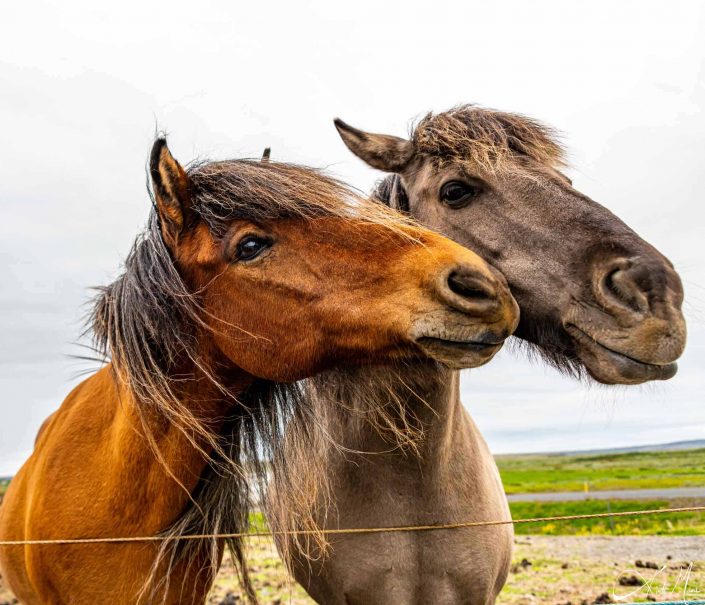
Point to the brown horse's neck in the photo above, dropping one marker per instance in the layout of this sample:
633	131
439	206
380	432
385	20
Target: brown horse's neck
173	456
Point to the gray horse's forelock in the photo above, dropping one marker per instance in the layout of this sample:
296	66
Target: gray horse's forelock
487	138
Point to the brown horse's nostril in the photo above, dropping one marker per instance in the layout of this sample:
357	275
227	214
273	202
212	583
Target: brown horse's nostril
470	286
469	292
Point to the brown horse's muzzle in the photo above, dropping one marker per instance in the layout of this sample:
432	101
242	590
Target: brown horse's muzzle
633	329
475	314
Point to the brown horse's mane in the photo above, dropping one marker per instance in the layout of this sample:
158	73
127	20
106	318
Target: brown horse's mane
357	400
488	138
148	322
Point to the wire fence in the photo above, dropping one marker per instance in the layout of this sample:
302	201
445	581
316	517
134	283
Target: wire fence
352	530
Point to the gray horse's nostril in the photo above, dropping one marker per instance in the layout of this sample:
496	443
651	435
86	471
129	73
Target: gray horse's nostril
625	285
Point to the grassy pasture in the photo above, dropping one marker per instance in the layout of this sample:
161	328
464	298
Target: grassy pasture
530	473
667	524
550	565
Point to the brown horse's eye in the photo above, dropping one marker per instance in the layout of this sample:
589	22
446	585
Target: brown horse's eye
457	194
251	246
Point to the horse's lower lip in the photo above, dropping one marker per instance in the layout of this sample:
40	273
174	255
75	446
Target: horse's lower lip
622	360
468	346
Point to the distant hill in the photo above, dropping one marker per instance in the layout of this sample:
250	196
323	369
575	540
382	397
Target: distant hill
673	446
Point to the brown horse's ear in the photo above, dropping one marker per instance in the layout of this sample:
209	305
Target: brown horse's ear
381	151
265	154
171	187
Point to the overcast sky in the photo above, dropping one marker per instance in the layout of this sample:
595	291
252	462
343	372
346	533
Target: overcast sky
83	87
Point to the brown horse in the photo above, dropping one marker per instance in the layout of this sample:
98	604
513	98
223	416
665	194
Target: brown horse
250	275
593	296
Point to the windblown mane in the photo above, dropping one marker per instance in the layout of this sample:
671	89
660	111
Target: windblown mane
348	402
147	322
488	138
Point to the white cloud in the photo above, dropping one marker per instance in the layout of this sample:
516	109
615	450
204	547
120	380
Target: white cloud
84	84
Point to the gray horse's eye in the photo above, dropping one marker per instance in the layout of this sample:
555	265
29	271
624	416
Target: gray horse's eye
457	194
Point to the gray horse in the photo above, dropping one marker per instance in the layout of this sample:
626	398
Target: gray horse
595	299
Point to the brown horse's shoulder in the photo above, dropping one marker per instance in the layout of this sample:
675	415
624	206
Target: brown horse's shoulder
93	399
44	428
92	389
67	438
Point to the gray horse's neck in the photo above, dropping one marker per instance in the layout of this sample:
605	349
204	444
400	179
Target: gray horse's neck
409	408
430	466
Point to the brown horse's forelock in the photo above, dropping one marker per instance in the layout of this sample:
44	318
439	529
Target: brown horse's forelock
487	138
147	323
254	190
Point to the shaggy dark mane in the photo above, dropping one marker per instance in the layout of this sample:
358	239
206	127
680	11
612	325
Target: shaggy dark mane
390	192
148	322
488	138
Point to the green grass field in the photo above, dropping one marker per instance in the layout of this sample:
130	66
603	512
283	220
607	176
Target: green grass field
641	470
667	524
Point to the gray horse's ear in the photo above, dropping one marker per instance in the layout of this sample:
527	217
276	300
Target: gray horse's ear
172	191
265	154
381	151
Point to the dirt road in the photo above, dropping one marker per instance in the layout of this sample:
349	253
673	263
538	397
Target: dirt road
551	570
671	493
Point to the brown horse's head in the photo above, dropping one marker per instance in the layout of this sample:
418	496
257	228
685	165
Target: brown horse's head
294	274
592	293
